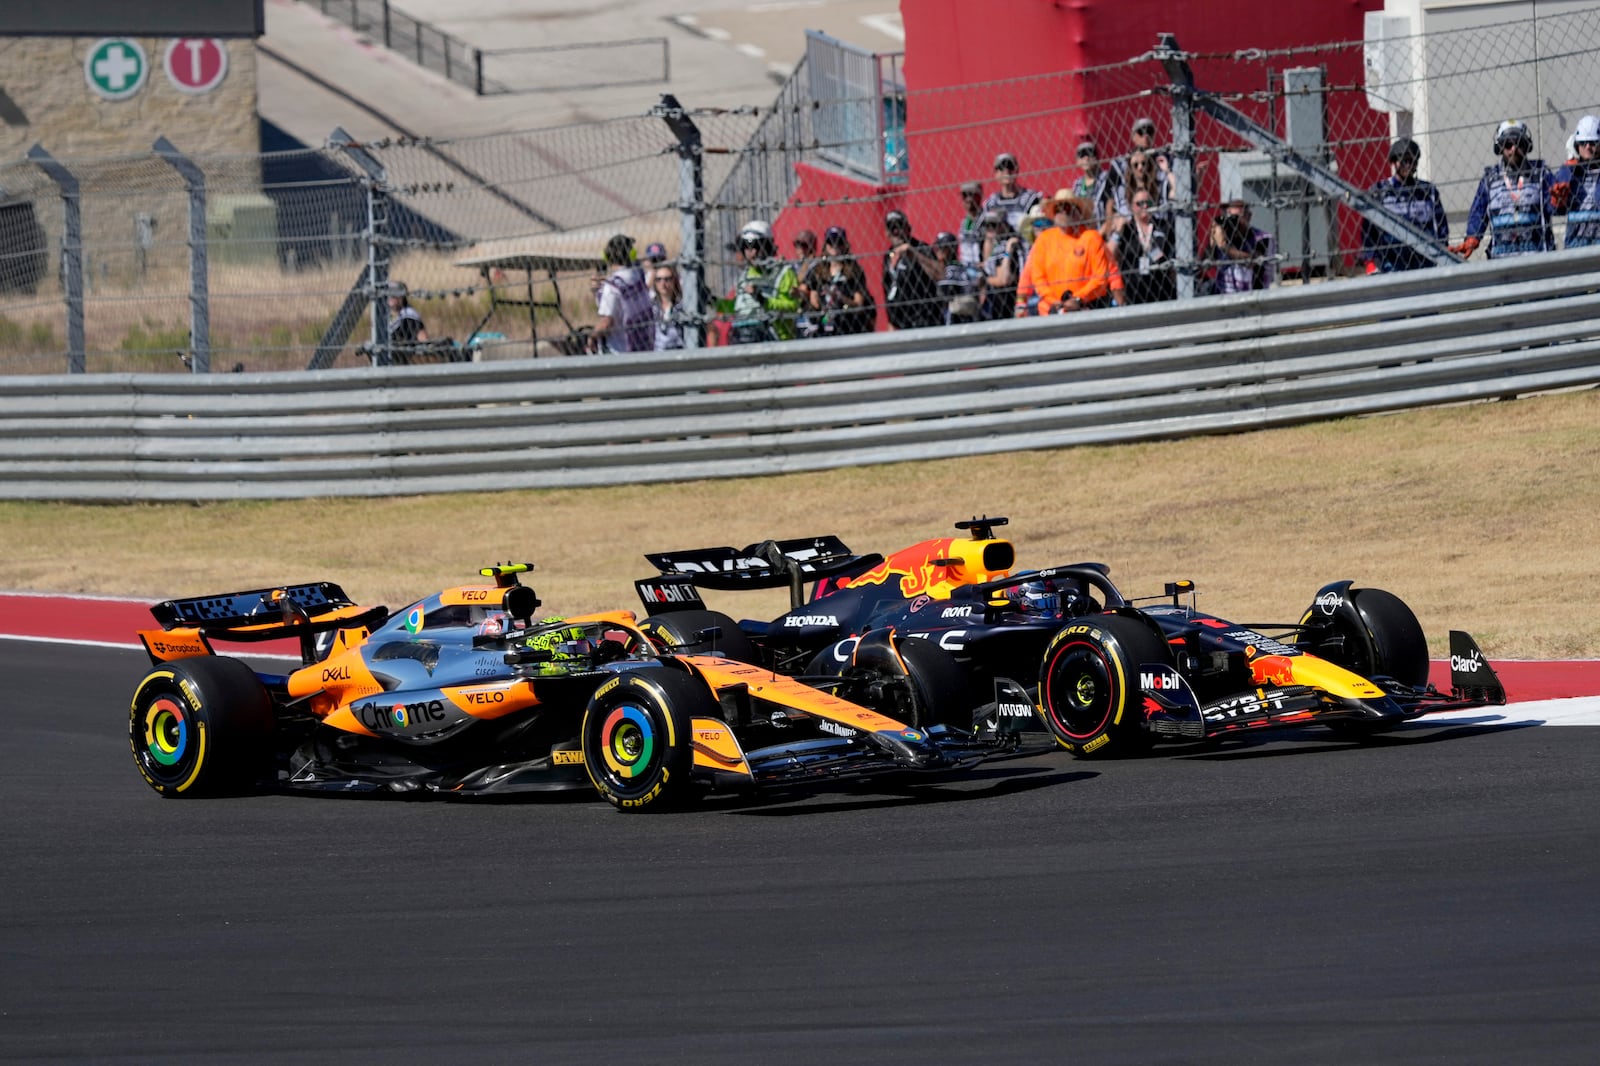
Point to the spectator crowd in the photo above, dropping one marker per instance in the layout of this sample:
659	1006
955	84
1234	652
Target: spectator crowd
1105	240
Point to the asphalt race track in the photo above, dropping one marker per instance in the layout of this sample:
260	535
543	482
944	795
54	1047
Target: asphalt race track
1430	897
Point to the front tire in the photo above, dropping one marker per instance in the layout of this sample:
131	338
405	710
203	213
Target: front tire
1373	634
1376	635
637	744
1089	685
913	681
201	727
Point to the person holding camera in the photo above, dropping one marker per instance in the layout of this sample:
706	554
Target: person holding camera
766	295
910	277
1247	255
837	288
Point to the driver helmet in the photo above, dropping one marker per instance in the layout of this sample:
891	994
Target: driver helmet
1040	599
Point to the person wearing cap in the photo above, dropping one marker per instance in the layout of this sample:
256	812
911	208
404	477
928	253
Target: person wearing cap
1576	188
1097	184
626	321
970	235
1247	256
1142	136
1513	203
655	252
1408	196
1069	267
1010	199
405	324
910	277
839	298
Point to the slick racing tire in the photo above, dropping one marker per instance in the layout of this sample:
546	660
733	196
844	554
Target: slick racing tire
637	745
201	727
676	632
913	681
1375	635
1089	685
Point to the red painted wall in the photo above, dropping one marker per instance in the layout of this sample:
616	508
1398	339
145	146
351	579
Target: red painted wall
977	80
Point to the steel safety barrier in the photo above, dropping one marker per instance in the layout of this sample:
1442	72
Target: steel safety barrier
1222	364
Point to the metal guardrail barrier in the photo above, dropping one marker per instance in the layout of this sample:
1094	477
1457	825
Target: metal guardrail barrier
1246	361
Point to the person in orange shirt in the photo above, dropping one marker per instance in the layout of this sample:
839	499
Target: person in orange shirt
1069	267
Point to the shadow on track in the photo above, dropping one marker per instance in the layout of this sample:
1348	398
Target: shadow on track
886	794
1323	742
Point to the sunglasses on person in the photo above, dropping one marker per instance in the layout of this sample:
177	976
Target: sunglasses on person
1144	131
665	277
1145	202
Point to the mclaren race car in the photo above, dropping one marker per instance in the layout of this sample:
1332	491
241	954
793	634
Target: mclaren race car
1062	649
463	693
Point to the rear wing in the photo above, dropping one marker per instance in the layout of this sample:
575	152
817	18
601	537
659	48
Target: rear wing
264	614
769	564
761	566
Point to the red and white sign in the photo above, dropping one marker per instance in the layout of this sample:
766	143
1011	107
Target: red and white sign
196	64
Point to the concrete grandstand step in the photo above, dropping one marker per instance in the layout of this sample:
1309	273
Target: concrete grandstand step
318	73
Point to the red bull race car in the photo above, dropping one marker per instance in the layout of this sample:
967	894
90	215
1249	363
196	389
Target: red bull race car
1061	650
463	693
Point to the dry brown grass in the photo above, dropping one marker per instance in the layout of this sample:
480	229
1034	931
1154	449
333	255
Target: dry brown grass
262	316
1480	516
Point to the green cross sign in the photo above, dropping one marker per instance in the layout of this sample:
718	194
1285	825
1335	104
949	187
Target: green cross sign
116	68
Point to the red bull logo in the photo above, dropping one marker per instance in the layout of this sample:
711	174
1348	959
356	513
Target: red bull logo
913	566
1272	670
934	567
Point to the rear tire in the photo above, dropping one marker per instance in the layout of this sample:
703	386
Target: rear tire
676	633
1089	685
637	745
201	727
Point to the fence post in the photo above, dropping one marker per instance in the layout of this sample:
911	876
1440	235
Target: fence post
71	251
377	186
386	43
194	180
477	70
692	215
1183	230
